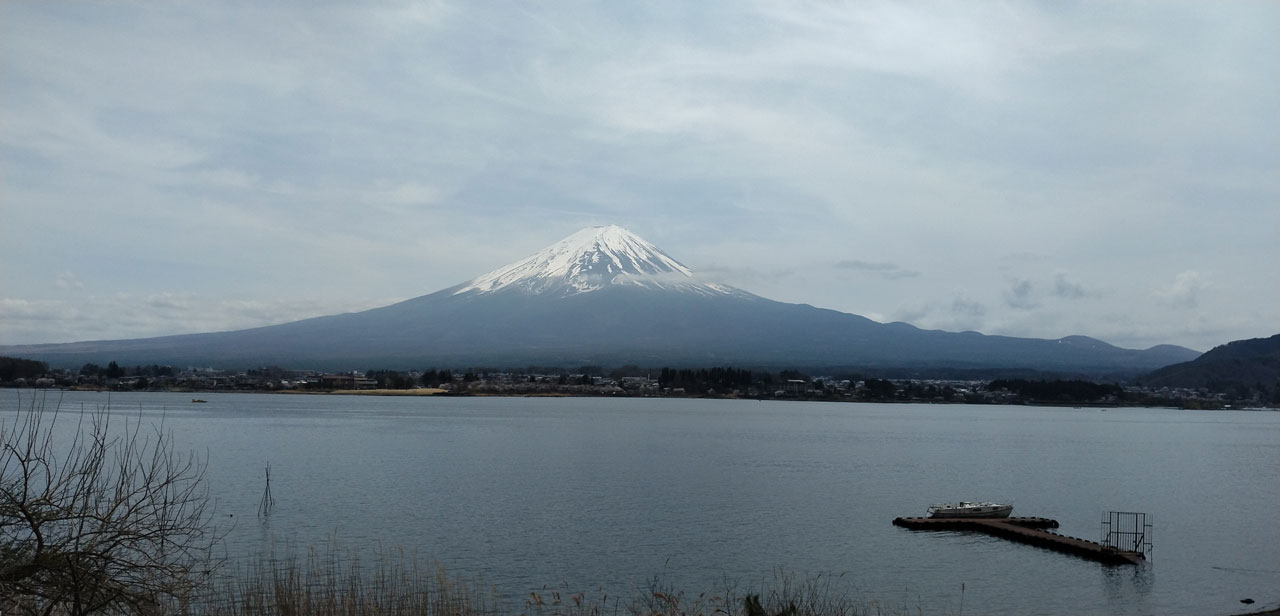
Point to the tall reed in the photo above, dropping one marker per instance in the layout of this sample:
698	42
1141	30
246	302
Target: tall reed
335	583
331	583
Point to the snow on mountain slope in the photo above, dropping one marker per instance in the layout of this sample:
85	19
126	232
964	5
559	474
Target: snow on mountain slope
592	259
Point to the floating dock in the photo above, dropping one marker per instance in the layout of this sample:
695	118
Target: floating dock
1030	531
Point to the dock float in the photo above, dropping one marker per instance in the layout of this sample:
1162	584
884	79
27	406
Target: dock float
1030	531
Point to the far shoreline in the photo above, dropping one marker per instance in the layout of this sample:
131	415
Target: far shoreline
435	391
423	391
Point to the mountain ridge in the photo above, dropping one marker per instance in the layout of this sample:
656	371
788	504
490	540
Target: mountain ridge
1240	368
604	296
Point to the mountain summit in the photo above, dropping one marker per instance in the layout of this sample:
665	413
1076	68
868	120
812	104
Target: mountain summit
590	260
605	296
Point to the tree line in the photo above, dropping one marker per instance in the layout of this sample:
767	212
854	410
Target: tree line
718	379
12	368
115	371
1058	391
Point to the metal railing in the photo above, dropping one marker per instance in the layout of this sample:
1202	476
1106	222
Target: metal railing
1128	531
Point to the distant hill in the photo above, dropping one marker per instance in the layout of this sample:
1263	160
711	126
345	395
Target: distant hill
1242	369
604	296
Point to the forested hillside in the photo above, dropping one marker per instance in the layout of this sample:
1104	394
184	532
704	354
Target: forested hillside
1243	369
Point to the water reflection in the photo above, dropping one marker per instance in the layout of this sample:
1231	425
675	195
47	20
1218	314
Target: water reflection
1128	587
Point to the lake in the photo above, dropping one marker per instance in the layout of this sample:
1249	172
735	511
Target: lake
590	493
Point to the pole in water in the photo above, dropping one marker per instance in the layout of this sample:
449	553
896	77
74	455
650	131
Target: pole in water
264	507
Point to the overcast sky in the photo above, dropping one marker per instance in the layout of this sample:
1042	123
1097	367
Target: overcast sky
1029	169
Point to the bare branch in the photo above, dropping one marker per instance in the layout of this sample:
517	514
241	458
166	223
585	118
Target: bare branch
95	519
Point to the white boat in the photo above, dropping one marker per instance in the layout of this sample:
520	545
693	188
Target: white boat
966	509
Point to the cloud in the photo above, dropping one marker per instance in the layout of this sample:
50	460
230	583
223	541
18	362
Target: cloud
962	50
887	271
916	315
1185	290
742	276
126	315
959	314
1018	295
1023	257
1066	289
406	193
68	281
963	307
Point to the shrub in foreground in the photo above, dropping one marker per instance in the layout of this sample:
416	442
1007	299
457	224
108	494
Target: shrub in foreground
95	518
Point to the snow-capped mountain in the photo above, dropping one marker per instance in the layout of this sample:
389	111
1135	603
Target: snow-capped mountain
604	296
590	260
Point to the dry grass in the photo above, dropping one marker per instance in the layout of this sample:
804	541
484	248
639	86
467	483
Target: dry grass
333	584
326	584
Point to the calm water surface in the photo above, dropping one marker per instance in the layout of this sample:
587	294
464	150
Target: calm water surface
534	492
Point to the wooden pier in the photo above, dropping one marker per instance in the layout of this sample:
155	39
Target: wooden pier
1030	531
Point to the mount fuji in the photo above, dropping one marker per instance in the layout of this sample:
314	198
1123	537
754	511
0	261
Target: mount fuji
605	296
590	260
